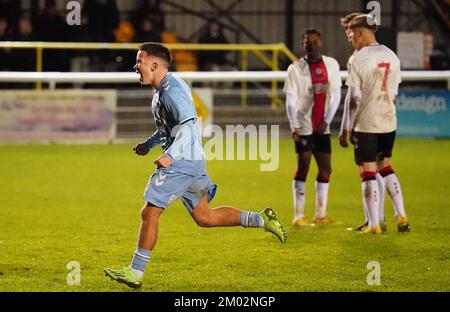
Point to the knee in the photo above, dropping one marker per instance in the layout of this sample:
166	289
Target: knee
202	218
149	212
324	174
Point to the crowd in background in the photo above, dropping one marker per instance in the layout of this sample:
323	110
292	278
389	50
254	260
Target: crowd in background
101	21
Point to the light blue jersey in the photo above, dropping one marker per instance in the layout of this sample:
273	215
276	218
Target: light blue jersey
178	132
177	126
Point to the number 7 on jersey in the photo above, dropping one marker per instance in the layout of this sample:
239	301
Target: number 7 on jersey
386	67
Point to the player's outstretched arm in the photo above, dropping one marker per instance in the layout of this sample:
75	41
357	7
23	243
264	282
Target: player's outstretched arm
144	148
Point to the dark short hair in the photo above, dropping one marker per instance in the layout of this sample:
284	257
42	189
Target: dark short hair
348	18
364	21
158	50
311	31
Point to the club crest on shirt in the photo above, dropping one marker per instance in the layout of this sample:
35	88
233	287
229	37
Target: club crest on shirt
319	71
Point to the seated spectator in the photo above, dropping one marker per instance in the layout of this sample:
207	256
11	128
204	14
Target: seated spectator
5	35
124	59
150	9
213	60
103	19
10	9
24	31
147	33
24	59
52	27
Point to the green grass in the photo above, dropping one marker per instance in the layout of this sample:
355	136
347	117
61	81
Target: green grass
60	203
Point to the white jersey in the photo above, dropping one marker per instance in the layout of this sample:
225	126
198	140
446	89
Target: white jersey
299	84
350	59
375	71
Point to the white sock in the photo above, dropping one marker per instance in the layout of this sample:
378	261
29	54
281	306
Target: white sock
138	273
321	199
370	196
366	214
395	192
381	186
298	191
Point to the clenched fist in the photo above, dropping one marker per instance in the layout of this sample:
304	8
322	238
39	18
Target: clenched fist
163	161
141	149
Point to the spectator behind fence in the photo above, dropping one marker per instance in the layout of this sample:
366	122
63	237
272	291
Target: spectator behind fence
151	10
24	59
5	54
147	32
124	59
52	27
10	9
103	19
213	60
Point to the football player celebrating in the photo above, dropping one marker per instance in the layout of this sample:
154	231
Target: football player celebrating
313	93
181	169
374	77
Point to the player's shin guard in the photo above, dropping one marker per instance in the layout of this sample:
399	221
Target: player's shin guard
394	190
322	186
381	186
298	192
370	197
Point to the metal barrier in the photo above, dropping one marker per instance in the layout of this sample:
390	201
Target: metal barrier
257	49
129	77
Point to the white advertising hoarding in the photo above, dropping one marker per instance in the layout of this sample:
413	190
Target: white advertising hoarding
57	115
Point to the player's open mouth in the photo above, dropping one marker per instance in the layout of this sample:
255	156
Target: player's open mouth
140	76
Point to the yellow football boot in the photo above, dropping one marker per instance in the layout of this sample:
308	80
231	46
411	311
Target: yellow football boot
374	230
301	222
324	220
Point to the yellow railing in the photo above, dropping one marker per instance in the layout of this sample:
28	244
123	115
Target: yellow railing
259	50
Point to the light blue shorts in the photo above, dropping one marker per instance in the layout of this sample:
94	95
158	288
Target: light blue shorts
166	185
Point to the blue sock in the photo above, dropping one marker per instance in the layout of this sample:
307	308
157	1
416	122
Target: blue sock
140	261
251	219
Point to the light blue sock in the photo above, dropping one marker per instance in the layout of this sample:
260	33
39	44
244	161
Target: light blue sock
251	219
140	261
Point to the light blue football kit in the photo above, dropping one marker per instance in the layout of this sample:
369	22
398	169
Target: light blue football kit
178	132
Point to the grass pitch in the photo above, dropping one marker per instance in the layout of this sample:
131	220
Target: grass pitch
62	203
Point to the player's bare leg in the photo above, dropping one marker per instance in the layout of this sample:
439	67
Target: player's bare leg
299	188
205	216
323	161
148	233
395	193
370	196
